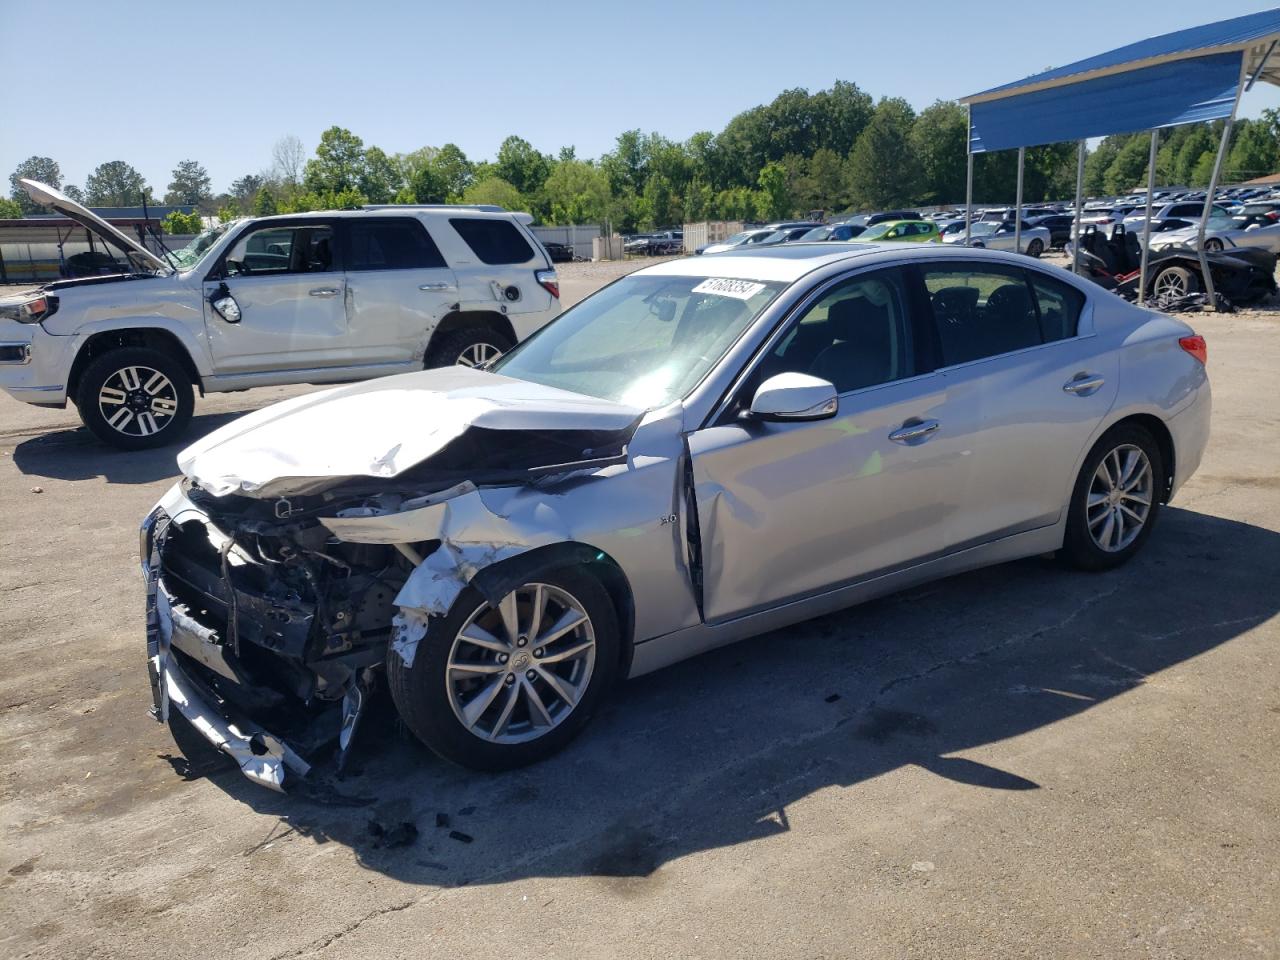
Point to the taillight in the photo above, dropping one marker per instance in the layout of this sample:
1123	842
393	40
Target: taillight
1273	214
1196	347
548	280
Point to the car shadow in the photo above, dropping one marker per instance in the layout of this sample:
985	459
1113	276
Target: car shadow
76	454
712	752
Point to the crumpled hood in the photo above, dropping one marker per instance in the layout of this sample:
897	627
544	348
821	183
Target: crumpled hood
380	428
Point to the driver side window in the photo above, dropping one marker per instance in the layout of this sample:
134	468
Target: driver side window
856	335
275	250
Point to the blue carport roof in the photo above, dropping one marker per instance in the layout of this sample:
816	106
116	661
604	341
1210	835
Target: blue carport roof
1239	33
1189	76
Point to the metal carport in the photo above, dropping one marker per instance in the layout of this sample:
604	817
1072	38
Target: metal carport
1189	76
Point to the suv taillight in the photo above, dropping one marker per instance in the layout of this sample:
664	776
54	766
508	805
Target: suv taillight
1195	346
549	281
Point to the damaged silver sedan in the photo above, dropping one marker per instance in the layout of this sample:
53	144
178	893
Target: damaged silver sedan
697	453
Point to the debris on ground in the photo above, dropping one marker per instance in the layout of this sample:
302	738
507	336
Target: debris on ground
37	489
460	836
395	835
831	698
1188	303
442	819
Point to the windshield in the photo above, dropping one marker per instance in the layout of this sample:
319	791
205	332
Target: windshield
876	232
643	341
983	228
193	252
818	233
738	237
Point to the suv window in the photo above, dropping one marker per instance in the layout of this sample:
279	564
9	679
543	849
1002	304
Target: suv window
981	310
493	241
399	244
857	335
304	248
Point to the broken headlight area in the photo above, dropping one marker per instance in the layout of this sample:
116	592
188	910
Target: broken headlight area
272	624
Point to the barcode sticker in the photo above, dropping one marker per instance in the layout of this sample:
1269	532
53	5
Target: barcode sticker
738	289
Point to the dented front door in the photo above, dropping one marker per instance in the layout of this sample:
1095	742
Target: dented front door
790	509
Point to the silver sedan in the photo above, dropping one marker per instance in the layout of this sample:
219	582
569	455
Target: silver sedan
706	449
1220	233
995	235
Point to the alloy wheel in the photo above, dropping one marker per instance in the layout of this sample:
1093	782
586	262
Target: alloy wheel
517	670
1170	284
478	354
138	401
1119	498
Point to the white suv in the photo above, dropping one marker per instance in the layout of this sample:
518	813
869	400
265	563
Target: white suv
302	298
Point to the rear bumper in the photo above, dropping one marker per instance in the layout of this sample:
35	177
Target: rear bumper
1190	431
262	757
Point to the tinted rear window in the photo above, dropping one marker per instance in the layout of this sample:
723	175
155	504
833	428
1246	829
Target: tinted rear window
401	244
494	241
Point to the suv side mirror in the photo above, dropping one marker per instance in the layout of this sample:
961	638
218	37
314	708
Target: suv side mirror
794	396
224	304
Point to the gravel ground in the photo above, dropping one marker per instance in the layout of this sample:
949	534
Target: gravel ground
1018	762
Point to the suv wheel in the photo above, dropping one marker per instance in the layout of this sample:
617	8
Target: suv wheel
498	687
1116	500
135	398
471	347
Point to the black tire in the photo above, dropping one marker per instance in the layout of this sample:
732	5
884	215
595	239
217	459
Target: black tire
1213	245
1189	281
1078	547
1035	248
108	369
420	696
450	348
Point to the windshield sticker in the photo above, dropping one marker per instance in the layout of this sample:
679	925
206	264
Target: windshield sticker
721	287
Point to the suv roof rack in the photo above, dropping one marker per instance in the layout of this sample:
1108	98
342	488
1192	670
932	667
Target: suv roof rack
485	207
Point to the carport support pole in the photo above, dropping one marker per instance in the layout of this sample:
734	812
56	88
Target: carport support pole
1213	181
1075	223
968	177
1017	203
1146	227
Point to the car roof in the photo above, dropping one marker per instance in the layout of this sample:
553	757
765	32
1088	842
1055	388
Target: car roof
404	210
789	262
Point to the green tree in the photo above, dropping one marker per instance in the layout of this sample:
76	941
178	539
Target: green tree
10	209
1129	168
577	192
823	183
1198	143
115	184
190	184
380	178
264	204
454	170
180	224
1253	154
1096	165
340	163
521	165
884	170
74	192
245	190
41	169
939	138
494	190
658	207
773	202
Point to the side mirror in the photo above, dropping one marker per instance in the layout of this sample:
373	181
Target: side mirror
794	396
224	304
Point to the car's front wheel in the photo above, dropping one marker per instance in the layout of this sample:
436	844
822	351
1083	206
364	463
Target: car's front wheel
1035	248
135	398
1116	499
497	686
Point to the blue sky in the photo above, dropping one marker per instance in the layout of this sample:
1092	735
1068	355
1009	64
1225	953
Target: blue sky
155	83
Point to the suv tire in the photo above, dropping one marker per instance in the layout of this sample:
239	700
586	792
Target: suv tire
135	398
469	347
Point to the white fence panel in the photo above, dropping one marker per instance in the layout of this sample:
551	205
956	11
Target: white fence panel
575	235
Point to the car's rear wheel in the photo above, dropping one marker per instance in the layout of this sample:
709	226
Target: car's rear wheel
1213	245
135	398
1175	282
494	687
471	347
1116	499
1035	248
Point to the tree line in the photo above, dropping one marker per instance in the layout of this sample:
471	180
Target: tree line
834	150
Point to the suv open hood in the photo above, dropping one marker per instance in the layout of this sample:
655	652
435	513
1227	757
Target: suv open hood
51	197
471	422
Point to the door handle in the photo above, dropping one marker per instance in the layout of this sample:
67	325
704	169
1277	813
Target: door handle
915	431
1083	384
438	285
325	292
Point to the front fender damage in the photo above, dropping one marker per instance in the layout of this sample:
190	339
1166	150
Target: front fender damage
473	534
